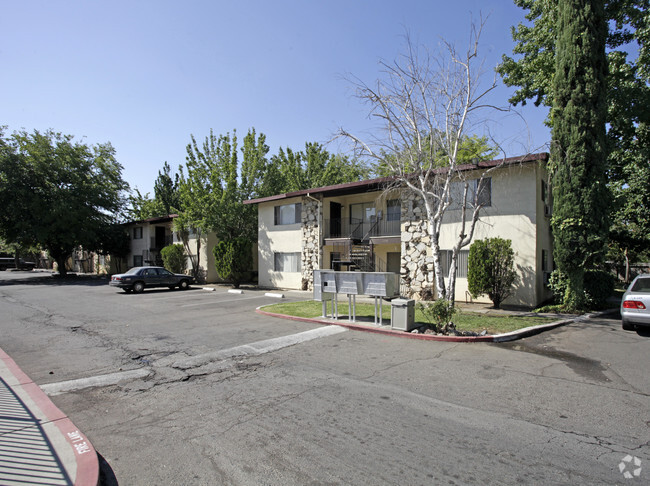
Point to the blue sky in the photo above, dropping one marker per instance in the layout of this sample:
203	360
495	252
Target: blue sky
144	75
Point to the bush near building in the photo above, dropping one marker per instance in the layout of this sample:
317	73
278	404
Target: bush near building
174	258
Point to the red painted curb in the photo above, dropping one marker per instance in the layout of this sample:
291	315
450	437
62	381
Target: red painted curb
493	338
87	470
389	332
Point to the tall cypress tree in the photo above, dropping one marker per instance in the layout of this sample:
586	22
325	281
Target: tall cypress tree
580	195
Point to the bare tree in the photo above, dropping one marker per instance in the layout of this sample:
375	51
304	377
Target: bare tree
428	107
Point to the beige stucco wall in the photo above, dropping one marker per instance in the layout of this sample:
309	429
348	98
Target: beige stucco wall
139	245
515	214
282	238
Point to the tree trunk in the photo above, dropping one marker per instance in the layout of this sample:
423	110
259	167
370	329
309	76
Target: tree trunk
60	259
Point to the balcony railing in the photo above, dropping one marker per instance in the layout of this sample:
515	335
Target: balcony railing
358	229
160	243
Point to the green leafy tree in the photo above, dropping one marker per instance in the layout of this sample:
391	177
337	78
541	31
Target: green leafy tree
314	167
233	259
57	193
166	191
491	269
471	148
256	179
166	198
532	71
214	188
174	258
580	225
143	207
200	191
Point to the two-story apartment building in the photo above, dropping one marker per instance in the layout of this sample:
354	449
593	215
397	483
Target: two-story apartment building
364	226
148	237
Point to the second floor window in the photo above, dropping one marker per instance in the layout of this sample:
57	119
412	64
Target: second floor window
137	233
393	208
287	214
484	195
363	212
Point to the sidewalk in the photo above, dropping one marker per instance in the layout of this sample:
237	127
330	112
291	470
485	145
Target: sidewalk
39	445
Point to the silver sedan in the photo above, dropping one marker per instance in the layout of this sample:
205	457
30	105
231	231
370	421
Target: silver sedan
635	305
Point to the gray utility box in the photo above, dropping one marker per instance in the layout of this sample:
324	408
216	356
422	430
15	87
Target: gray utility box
402	314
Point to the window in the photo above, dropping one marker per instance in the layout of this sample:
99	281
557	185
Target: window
286	262
545	261
484	196
393	208
137	233
461	263
137	260
484	192
288	214
363	212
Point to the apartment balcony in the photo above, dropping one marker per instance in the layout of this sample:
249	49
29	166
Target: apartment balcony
359	230
160	242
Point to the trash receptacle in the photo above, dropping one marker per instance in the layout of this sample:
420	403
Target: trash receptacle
402	314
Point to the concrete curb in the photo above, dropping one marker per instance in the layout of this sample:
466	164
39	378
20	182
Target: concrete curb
75	452
494	338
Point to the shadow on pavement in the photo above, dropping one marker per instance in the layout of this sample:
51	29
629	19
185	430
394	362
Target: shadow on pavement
106	474
49	279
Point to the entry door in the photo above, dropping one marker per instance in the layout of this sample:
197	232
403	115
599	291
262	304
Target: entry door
335	220
160	237
393	262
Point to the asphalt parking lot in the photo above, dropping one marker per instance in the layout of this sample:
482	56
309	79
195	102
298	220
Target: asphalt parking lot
223	395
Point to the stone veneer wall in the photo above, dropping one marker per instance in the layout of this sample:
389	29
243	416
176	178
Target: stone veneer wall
311	242
416	262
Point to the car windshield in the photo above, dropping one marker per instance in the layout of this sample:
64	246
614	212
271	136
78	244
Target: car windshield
132	271
641	285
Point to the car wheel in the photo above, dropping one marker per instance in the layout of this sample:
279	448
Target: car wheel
627	326
184	285
138	287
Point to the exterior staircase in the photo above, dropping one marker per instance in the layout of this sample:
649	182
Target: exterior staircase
362	257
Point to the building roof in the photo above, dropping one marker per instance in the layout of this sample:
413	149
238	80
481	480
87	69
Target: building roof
371	185
161	219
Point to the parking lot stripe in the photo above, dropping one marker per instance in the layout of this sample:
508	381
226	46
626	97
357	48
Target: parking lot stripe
258	347
53	389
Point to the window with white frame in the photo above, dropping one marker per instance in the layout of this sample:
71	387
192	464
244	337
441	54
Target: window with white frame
287	214
137	260
137	233
286	262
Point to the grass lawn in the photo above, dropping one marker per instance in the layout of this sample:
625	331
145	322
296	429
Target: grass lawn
494	323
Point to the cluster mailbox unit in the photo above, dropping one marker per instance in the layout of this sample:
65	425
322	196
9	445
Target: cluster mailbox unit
329	283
